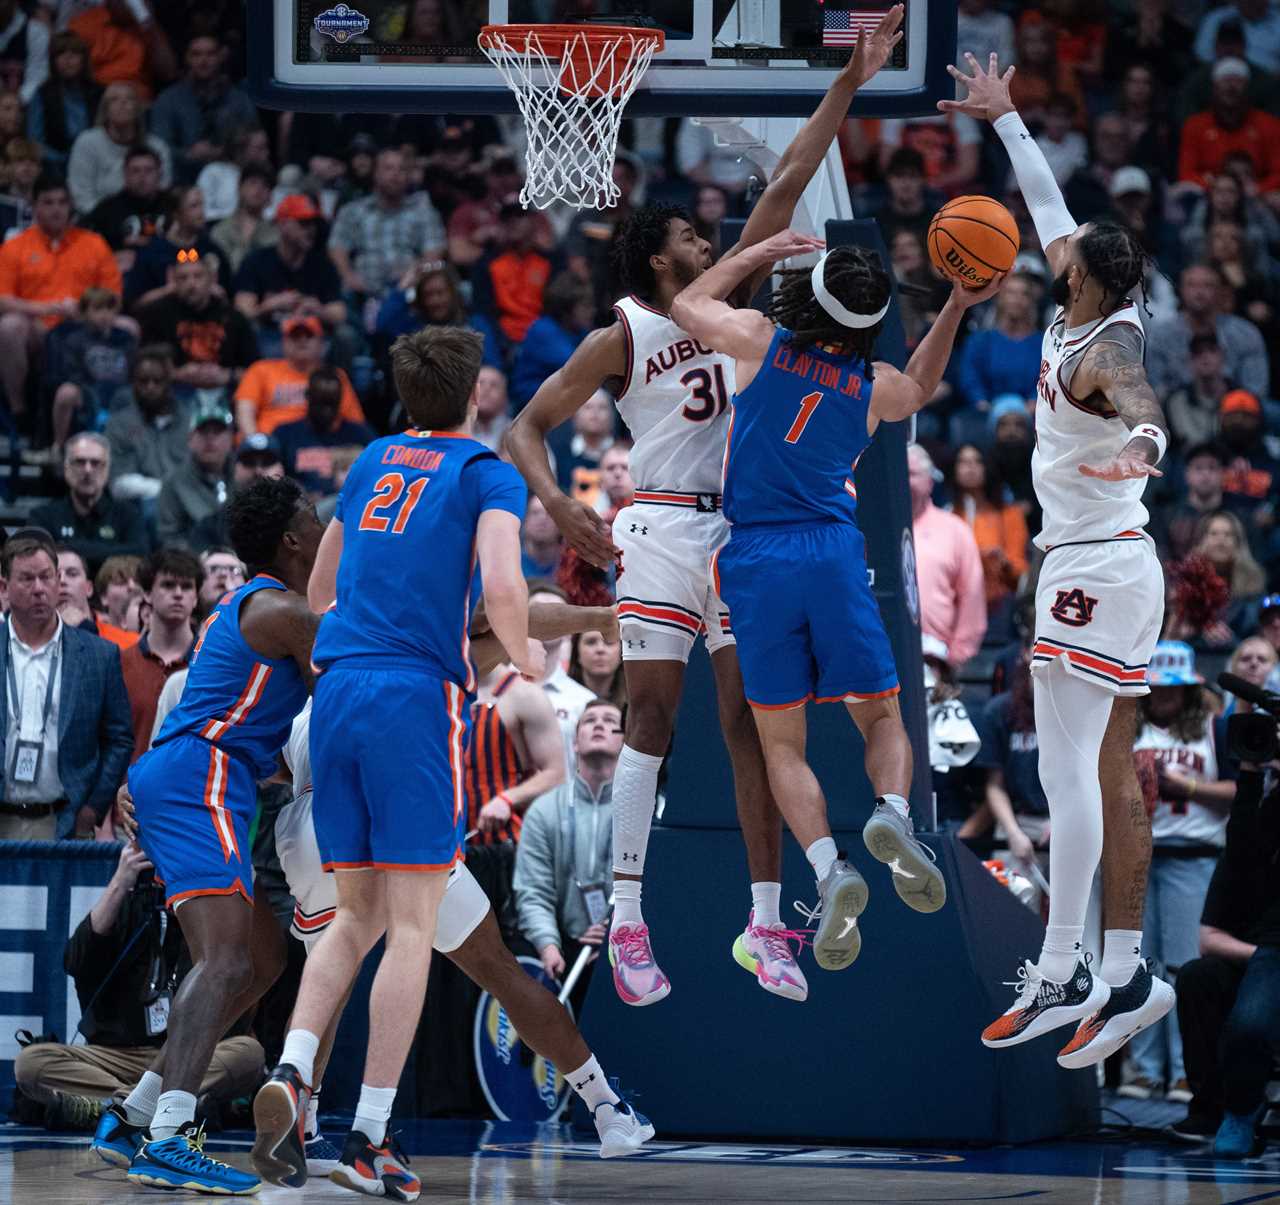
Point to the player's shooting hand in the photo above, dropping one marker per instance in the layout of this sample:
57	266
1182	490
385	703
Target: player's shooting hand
964	297
1124	467
126	818
873	49
494	814
784	245
534	662
586	531
552	961
988	96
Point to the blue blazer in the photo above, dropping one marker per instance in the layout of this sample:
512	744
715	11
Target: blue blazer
95	727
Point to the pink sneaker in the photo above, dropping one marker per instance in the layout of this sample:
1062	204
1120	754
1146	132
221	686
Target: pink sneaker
636	974
765	951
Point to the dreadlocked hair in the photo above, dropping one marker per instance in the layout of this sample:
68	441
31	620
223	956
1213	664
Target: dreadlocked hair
258	516
1114	256
856	278
642	236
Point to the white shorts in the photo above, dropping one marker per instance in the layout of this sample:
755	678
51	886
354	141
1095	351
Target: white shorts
1099	610
666	596
315	892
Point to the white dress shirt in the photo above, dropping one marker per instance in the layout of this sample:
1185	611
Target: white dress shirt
26	716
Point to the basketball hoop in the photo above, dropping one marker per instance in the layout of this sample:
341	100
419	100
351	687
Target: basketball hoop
571	83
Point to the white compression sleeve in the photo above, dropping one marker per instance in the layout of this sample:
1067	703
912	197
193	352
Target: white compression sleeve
1035	179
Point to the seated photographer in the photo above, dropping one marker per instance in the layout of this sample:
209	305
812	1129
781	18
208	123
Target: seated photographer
127	958
1229	998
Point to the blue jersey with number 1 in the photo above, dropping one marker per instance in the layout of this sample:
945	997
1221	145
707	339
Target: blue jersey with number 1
409	510
797	431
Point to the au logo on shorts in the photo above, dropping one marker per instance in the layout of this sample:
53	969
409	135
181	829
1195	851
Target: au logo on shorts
1073	607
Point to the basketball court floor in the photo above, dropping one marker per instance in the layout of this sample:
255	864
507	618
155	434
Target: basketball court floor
510	1164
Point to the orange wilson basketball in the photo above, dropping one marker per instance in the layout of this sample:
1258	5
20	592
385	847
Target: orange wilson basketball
971	239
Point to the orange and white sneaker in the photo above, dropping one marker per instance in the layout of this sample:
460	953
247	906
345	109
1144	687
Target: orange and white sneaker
765	951
1140	1003
376	1171
636	974
1042	1005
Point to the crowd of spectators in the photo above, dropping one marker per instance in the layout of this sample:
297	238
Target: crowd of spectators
195	291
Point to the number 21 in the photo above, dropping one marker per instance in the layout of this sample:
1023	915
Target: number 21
808	404
389	488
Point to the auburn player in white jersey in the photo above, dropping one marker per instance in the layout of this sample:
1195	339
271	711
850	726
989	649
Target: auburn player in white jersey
1099	607
674	395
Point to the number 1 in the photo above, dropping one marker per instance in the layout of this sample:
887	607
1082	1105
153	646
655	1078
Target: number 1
808	404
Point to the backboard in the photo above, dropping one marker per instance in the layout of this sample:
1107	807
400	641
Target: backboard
722	57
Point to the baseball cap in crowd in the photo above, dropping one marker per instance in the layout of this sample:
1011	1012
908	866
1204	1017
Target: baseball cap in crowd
1238	400
1173	664
1267	605
1027	263
308	322
297	207
1006	403
1229	67
363	144
210	410
1130	179
258	448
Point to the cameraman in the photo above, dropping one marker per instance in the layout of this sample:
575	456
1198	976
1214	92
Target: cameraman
127	958
1229	998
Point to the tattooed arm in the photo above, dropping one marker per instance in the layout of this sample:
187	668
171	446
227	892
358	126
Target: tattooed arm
1114	369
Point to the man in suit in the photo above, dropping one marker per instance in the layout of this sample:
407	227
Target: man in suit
67	752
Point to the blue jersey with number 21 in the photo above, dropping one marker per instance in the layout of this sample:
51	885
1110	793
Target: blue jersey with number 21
409	510
797	431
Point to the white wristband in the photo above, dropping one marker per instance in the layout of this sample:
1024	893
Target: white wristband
1155	435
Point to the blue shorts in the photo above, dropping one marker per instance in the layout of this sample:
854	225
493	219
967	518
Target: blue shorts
195	803
387	750
807	624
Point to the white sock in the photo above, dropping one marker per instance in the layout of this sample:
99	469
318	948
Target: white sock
1121	953
635	792
299	1052
766	898
822	855
626	902
373	1112
1061	952
173	1111
899	805
140	1105
589	1083
313	1115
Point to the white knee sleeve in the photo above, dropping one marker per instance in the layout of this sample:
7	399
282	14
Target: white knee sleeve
1071	720
635	792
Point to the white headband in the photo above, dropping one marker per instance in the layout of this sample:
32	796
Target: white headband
837	311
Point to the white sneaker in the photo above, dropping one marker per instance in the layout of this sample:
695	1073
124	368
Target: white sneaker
622	1130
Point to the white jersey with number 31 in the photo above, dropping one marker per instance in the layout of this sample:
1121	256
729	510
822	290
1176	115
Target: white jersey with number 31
1071	431
675	401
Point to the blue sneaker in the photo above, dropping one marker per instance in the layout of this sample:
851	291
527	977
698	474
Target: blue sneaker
115	1141
322	1155
1237	1136
280	1117
180	1162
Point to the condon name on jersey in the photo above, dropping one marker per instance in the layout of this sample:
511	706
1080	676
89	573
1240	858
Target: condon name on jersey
1071	431
675	402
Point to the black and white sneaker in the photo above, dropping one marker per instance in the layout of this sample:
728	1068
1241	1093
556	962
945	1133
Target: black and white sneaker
1042	1005
1194	1129
1140	1003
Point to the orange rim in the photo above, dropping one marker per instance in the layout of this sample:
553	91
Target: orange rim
554	38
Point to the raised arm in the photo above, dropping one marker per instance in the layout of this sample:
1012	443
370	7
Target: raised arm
1114	369
989	100
897	395
600	357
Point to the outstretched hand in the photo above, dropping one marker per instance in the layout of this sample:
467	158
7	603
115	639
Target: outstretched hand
873	49
784	245
988	96
1123	467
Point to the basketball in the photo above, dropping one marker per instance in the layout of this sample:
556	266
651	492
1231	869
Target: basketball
971	239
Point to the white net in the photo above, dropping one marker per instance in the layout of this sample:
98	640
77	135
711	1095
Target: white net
571	92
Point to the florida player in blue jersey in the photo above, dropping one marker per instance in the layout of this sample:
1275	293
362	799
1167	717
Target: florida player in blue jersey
195	795
794	571
394	579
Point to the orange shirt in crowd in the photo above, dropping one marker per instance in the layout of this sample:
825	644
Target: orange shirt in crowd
1002	528
120	637
1205	145
277	393
34	269
518	281
116	55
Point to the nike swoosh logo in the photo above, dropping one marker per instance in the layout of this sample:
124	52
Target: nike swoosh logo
896	867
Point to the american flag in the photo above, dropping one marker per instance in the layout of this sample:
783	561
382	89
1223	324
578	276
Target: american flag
841	28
